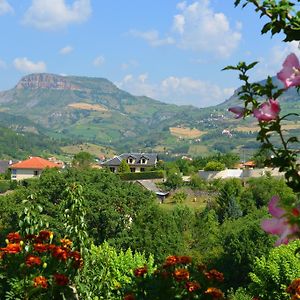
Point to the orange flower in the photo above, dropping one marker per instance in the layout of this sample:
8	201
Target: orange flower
181	274
61	279
78	261
32	260
66	243
40	247
129	297
184	259
12	248
14	237
214	274
171	261
40	281
44	235
214	292
60	253
139	272
192	286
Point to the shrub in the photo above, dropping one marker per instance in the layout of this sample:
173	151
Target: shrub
214	166
142	175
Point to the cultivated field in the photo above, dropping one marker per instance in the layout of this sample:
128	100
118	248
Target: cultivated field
87	106
93	149
185	132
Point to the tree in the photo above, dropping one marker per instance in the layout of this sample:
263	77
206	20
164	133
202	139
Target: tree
214	166
82	160
123	167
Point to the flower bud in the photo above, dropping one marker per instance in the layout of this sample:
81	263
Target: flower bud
44	265
21	243
7	241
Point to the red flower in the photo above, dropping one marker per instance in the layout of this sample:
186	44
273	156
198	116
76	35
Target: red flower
61	279
40	281
171	261
184	260
214	292
192	286
139	272
32	260
181	274
129	297
12	248
60	253
78	261
214	275
40	248
44	235
14	237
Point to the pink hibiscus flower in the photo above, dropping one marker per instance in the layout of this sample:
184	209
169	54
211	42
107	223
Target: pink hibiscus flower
279	224
290	74
238	111
267	111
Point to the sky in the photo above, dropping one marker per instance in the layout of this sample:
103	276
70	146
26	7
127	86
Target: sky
172	51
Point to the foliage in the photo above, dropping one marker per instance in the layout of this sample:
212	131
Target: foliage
82	159
239	294
214	166
123	167
106	271
271	274
142	175
174	180
179	197
177	278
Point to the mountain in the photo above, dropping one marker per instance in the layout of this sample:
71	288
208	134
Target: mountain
94	110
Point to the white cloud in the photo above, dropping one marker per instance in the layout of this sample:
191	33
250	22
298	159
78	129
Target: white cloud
177	90
152	37
66	50
272	63
25	65
201	29
130	64
98	61
5	7
2	64
56	14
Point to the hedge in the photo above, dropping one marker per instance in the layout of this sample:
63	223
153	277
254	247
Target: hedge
142	175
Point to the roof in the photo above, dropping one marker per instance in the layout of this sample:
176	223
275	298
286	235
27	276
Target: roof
35	163
116	161
249	163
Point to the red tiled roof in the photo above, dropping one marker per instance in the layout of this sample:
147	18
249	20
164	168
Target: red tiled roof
249	163
34	163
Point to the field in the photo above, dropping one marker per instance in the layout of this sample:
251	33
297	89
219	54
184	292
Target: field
185	132
86	106
195	150
287	126
93	149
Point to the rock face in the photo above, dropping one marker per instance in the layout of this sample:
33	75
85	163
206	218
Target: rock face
46	81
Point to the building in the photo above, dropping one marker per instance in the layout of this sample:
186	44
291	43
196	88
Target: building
31	167
138	162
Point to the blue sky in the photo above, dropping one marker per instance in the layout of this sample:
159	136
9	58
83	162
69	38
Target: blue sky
172	51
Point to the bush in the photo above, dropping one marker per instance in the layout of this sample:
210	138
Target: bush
4	185
142	175
214	166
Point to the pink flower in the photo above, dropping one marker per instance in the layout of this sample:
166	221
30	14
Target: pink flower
279	224
267	111
290	74
238	111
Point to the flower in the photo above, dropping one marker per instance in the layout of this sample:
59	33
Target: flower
32	260
139	272
238	111
40	248
294	289
78	261
60	253
214	292
184	260
290	74
279	224
12	248
170	261
44	235
14	237
61	279
40	281
214	274
181	274
129	297
66	243
268	111
192	286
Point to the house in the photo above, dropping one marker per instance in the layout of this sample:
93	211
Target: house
31	167
138	162
4	165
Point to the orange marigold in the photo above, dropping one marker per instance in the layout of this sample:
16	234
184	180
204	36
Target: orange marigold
78	261
14	237
139	272
214	292
12	248
40	281
171	261
40	247
181	274
184	260
294	289
129	297
61	279
66	243
60	253
192	286
32	260
214	275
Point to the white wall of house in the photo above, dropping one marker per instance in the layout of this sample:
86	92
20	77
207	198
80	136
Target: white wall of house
20	174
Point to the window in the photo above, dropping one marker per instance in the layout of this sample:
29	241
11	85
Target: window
35	173
132	170
112	169
143	161
142	169
130	160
